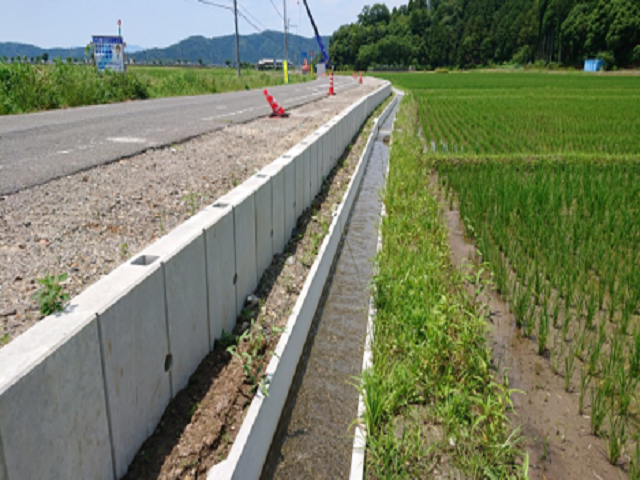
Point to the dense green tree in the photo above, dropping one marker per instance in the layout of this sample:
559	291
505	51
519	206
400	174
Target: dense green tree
467	33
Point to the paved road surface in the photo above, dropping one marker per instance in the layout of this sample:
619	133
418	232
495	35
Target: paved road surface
38	147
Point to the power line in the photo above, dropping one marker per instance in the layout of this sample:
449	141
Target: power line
248	13
276	9
235	15
246	19
213	4
230	8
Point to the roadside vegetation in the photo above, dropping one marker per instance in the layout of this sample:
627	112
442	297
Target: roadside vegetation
25	87
434	405
545	172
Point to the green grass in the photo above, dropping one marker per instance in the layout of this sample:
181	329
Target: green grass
432	400
545	171
29	88
176	81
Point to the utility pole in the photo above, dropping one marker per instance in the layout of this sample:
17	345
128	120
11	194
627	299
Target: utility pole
235	14
286	39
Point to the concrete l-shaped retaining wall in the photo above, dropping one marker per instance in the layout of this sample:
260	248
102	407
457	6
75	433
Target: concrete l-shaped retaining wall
82	390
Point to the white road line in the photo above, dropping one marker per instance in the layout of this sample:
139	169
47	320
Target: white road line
127	140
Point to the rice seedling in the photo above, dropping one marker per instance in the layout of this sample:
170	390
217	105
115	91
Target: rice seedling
617	436
634	353
584	383
634	464
543	331
569	368
595	349
599	408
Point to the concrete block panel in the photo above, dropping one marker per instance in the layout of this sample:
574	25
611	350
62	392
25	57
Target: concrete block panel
53	415
329	149
182	253
241	200
136	356
303	163
264	220
332	146
221	270
298	170
355	123
287	165
344	132
341	139
277	173
291	189
316	158
338	137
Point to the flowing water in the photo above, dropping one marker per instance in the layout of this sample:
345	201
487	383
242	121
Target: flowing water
315	435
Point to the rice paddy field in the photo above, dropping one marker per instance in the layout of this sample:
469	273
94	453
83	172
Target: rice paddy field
532	182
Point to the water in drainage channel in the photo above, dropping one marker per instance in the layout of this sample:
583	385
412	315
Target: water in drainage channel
314	438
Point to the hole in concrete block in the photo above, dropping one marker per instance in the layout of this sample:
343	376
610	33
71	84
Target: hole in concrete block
235	279
168	361
220	205
272	232
145	260
262	175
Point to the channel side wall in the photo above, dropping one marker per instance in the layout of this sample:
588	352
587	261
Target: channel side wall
251	446
81	390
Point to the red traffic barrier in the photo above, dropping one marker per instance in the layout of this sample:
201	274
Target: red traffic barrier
331	92
360	78
277	110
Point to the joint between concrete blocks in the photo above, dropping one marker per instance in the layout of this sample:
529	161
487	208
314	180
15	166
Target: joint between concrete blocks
166	323
106	397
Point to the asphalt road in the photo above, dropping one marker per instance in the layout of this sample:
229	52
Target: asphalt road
38	147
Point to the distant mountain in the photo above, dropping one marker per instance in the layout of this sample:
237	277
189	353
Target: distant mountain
11	49
217	50
134	48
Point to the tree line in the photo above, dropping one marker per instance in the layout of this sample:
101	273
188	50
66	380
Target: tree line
427	34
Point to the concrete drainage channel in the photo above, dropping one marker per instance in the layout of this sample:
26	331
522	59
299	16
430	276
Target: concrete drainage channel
249	452
82	390
313	438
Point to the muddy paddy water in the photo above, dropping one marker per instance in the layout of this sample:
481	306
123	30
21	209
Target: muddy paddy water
315	435
557	438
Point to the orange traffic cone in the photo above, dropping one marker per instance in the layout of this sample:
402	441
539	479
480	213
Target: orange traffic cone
277	110
331	92
360	82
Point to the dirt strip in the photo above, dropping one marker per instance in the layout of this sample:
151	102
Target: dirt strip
87	224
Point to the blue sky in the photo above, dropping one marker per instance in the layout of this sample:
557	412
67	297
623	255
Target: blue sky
159	23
